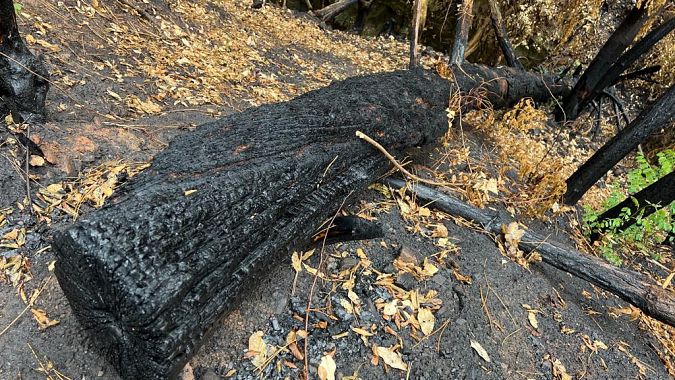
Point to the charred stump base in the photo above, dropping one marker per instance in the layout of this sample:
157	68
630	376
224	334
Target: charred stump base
178	246
23	76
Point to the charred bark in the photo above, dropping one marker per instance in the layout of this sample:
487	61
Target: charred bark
633	54
655	117
23	77
502	36
630	286
642	204
615	45
462	32
149	273
419	18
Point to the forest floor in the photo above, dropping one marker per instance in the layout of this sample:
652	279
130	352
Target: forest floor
435	298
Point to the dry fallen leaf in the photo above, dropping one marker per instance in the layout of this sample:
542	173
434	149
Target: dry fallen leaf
532	318
42	319
327	368
559	371
480	350
426	319
392	358
257	349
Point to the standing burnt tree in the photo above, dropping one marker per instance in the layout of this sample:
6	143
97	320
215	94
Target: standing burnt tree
23	77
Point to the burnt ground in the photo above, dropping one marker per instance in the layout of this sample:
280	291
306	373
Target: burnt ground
267	58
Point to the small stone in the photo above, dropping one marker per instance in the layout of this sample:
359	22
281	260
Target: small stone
275	324
100	373
348	263
407	255
406	280
210	375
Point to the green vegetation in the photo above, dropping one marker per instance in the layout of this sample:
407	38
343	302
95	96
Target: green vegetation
647	231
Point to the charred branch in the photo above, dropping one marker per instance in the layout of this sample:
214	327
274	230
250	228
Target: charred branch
632	287
329	12
642	204
655	117
502	36
615	45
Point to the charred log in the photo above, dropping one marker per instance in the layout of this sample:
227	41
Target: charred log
654	118
179	244
23	77
331	11
633	287
640	205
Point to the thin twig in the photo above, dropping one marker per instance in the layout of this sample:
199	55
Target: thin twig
30	197
398	166
30	304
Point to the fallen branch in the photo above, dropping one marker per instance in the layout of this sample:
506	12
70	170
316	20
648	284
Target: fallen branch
633	287
329	12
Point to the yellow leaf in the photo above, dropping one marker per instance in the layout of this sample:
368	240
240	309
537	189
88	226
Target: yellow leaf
189	192
390	308
361	331
559	371
532	318
393	359
347	306
440	231
36	160
295	261
43	321
257	349
480	350
426	319
327	368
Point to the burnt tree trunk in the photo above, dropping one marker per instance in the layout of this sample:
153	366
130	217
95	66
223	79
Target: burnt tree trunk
655	117
502	36
23	77
642	204
419	19
615	45
630	286
462	32
176	248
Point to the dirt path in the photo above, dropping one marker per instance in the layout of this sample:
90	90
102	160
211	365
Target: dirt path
123	94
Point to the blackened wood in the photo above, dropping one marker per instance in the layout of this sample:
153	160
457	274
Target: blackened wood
462	32
615	45
23	77
630	286
418	21
643	203
150	272
632	55
655	117
329	12
503	36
